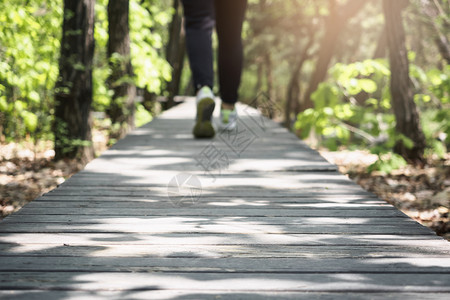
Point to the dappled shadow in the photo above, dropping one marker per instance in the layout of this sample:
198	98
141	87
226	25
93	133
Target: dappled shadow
261	228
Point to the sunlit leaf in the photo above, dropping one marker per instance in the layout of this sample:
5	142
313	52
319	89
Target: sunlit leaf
34	96
368	85
3	104
435	76
30	119
19	105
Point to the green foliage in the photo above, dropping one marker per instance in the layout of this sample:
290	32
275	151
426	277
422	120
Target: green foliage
337	115
101	71
65	141
340	118
434	99
150	67
29	49
29	52
146	45
142	116
388	163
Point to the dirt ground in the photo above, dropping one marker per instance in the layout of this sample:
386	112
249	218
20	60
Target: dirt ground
421	193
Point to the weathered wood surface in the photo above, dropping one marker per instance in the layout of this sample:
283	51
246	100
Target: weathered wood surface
269	219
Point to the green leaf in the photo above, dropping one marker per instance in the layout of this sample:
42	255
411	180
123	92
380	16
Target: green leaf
19	106
438	148
326	95
386	103
412	56
3	104
34	97
407	142
388	163
422	98
142	116
30	119
353	86
368	85
435	76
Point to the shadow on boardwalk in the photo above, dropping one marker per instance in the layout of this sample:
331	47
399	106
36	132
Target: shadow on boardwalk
276	222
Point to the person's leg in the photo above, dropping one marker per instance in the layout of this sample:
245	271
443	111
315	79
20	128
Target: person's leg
199	25
230	15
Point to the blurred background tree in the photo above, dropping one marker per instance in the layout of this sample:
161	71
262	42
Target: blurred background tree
73	88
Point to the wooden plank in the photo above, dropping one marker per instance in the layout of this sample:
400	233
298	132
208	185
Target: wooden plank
228	176
216	294
228	265
205	203
219	201
271	159
243	184
158	220
92	239
216	282
224	228
162	193
214	211
226	251
301	197
232	192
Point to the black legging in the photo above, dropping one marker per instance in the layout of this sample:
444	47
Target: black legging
200	18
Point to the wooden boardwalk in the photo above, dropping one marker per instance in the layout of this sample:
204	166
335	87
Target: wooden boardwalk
254	214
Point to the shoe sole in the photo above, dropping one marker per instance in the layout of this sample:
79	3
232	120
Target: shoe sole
203	126
227	127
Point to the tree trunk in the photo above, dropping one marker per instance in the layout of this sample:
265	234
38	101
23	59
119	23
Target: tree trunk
259	77
121	110
73	90
293	92
432	11
380	51
271	92
293	95
175	51
334	25
405	110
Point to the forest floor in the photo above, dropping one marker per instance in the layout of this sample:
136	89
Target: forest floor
27	171
421	193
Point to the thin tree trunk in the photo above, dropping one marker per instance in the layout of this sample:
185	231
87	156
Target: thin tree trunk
271	93
432	10
259	77
380	51
293	92
121	110
334	25
405	110
175	52
149	100
73	90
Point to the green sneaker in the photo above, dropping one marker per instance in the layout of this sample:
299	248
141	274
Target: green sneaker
205	107
228	119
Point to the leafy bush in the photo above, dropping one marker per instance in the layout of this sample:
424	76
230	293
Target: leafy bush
29	50
150	67
354	109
